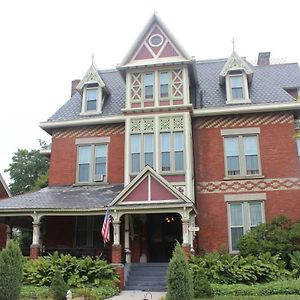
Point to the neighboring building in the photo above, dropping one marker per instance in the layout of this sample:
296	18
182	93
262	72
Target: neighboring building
169	144
4	193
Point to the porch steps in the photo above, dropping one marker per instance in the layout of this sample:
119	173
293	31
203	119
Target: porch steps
147	277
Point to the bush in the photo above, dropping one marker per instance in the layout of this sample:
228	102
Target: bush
201	284
180	285
77	272
295	263
284	287
58	289
279	236
11	272
228	269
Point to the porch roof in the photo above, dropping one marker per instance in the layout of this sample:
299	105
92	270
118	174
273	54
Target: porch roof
63	198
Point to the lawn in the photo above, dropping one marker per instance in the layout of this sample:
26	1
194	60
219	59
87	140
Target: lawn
277	297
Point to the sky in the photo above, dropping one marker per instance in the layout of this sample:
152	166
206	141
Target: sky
46	44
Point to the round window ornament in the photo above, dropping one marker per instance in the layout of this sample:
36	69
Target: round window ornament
156	40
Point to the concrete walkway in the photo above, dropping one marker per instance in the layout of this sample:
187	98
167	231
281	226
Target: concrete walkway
138	295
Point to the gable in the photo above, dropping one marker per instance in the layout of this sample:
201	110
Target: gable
155	43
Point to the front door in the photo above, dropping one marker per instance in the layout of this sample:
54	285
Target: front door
164	230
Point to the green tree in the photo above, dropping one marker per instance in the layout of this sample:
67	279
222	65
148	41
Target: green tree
180	283
58	288
11	272
26	167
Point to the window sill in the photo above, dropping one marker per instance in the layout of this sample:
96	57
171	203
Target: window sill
238	101
246	177
90	113
91	183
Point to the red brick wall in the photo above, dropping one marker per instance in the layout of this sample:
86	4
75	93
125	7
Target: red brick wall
279	159
3	193
64	152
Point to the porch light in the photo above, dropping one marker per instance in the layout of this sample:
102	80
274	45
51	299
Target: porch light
169	220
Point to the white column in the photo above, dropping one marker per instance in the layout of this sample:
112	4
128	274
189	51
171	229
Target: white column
185	230
192	233
8	233
116	225
36	233
127	246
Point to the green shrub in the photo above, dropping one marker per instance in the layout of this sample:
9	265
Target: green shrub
201	284
284	287
77	272
279	236
11	272
180	284
295	263
58	288
229	269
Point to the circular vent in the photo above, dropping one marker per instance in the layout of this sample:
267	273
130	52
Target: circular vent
156	40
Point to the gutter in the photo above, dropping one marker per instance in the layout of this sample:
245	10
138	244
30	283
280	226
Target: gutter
204	112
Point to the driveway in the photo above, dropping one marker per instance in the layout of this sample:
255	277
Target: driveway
138	295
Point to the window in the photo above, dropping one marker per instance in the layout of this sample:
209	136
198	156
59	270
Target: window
164	84
298	148
172	151
92	163
91	99
142	148
237	87
148	81
88	231
243	216
242	155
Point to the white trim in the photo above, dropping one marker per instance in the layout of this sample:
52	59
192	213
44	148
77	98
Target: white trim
5	186
239	131
156	35
254	108
245	197
93	140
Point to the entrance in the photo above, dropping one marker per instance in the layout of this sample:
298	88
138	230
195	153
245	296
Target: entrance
164	230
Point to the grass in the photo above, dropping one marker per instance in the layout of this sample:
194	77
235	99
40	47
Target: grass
274	297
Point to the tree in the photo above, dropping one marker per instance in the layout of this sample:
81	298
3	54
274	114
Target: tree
25	169
58	288
11	271
180	284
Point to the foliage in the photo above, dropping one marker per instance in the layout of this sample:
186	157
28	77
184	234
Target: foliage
180	284
228	269
284	287
26	167
279	236
77	272
201	284
295	263
11	273
41	182
58	288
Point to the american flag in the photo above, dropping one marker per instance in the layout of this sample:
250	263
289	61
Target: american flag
106	227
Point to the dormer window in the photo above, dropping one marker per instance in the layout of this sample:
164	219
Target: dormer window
91	99
236	86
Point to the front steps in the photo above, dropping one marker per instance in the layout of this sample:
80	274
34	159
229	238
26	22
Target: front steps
147	277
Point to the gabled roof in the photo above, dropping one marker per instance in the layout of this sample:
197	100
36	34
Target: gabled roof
154	20
235	62
2	182
91	76
140	178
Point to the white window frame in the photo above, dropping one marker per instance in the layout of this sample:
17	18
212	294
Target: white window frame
169	86
142	151
92	164
245	200
153	86
240	133
84	110
230	99
172	152
298	148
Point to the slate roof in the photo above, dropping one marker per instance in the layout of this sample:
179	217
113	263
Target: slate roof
63	198
266	87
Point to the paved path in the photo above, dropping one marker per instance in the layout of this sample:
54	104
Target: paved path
137	295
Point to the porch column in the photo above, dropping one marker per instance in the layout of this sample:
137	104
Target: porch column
192	233
185	237
127	246
35	247
8	233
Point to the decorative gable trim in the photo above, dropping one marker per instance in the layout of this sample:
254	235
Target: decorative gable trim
5	186
155	21
235	63
148	171
90	77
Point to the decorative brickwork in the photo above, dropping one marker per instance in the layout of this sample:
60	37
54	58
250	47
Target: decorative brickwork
34	251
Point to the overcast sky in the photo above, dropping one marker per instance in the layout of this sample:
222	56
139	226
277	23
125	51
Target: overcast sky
46	44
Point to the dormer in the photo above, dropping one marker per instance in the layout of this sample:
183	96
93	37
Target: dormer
92	88
236	76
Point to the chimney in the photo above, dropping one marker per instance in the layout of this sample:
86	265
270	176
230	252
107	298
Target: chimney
74	83
263	58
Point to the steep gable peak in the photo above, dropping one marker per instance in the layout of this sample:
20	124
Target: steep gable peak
155	44
235	63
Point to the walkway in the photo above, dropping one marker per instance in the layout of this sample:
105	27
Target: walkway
137	295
